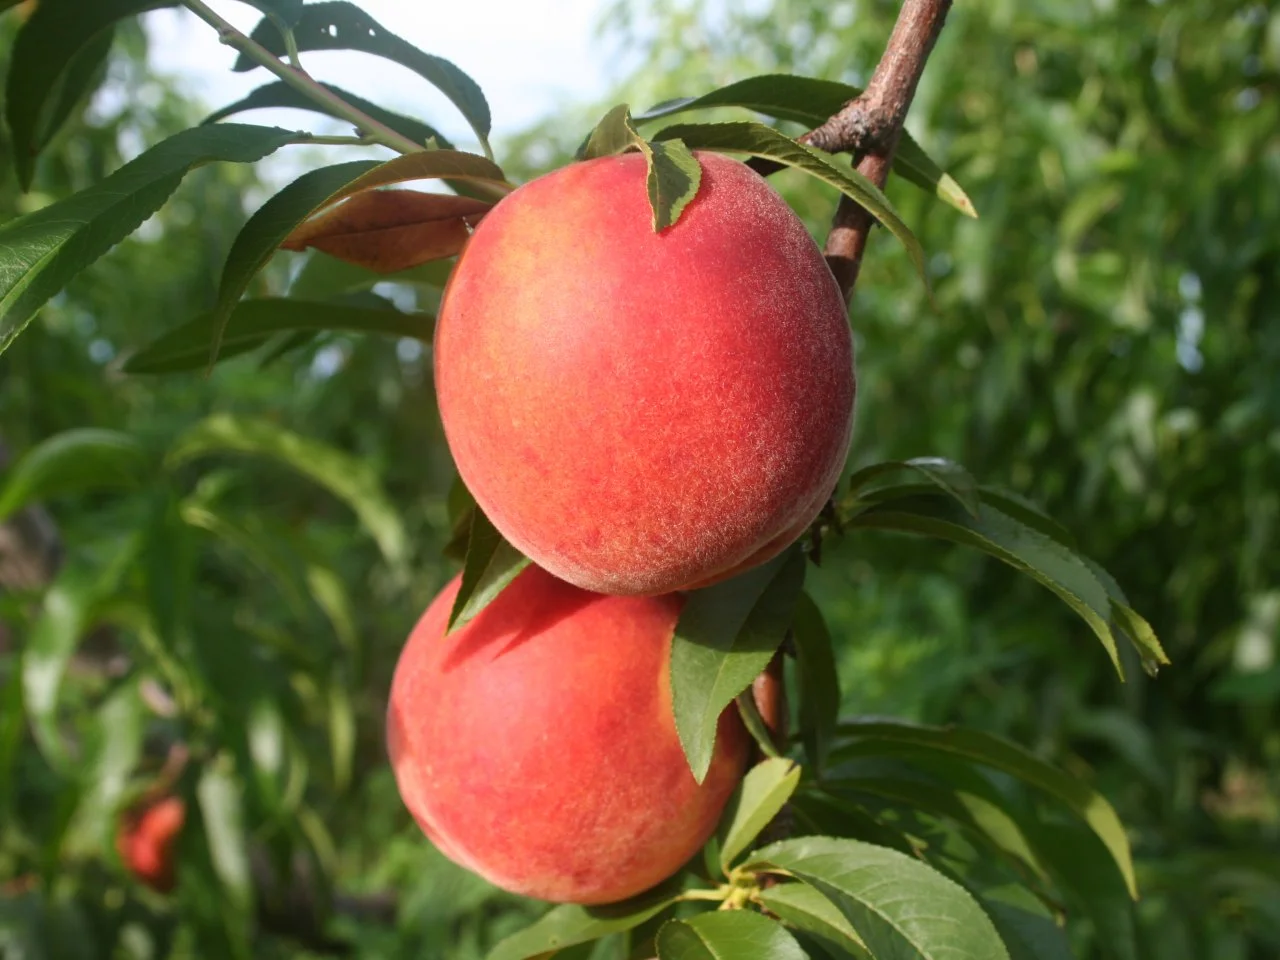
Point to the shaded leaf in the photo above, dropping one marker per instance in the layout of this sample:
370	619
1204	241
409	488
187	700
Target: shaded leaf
614	134
899	739
727	935
900	906
72	461
948	475
753	720
758	140
567	925
349	478
760	796
803	907
391	230
1089	877
1023	548
280	94
818	680
42	251
447	165
338	25
491	564
267	229
1027	935
821	812
812	101
253	322
726	635
323	277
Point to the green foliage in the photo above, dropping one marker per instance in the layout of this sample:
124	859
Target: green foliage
245	552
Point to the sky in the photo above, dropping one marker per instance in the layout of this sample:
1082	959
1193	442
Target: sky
528	62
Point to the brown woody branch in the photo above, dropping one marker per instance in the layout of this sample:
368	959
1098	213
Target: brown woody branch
869	126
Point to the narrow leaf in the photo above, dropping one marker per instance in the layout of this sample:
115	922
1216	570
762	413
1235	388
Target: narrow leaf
758	140
491	564
818	679
63	617
447	165
759	798
948	475
900	906
753	720
1091	880
801	906
897	739
812	102
219	794
726	636
349	478
391	230
727	935
323	277
253	322
267	229
614	134
1022	547
84	458
338	25
567	925
42	251
280	94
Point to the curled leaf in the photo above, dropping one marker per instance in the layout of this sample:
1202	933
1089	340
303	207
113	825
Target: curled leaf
391	230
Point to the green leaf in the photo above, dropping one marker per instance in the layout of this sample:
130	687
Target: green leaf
221	811
448	165
259	239
567	925
674	177
898	739
811	102
1027	935
323	277
752	719
349	478
674	174
900	907
760	141
253	322
952	478
115	749
726	635
339	25
818	680
1025	549
801	906
759	798
987	820
491	564
84	458
42	251
727	935
64	616
1089	877
820	812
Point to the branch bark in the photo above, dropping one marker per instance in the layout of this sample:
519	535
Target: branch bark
871	124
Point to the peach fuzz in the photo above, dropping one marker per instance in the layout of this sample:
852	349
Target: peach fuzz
536	745
645	413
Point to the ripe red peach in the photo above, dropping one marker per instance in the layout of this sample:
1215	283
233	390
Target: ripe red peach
146	839
536	745
643	413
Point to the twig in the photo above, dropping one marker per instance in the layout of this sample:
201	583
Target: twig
300	81
871	124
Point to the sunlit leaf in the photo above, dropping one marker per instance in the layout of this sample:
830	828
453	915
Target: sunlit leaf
567	925
761	795
491	564
727	935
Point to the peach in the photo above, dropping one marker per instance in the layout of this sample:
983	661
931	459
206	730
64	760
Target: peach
644	413
146	838
536	745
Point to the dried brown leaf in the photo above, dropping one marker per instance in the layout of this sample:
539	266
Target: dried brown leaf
390	230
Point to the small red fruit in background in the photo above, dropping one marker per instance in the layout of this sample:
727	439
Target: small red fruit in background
146	838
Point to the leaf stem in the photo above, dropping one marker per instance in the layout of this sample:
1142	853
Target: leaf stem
295	77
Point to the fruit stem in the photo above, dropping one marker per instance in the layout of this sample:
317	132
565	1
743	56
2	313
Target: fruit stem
298	79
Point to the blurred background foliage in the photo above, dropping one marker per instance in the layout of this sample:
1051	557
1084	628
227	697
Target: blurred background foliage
1106	342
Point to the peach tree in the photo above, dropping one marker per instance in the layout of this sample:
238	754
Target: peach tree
647	397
